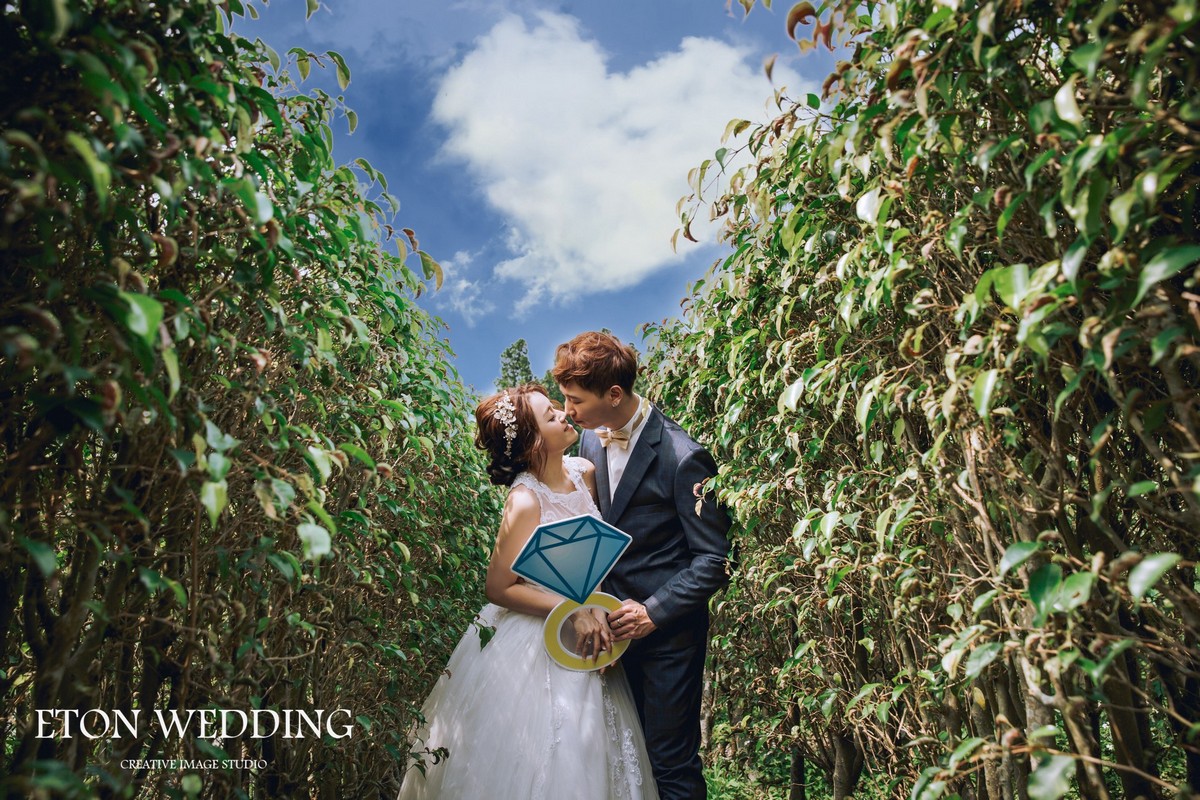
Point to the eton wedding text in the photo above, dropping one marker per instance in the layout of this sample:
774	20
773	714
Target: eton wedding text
209	723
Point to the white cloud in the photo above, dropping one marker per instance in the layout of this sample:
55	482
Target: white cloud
587	164
460	294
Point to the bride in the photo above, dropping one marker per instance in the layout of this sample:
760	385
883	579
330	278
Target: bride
512	722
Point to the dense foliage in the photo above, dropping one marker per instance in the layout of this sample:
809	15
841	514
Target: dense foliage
237	469
950	369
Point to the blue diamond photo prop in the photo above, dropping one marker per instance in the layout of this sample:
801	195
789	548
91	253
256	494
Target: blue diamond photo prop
571	556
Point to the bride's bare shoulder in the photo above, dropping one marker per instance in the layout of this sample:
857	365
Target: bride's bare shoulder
521	500
587	471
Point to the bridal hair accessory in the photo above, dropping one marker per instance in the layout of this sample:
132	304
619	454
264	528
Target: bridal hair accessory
506	412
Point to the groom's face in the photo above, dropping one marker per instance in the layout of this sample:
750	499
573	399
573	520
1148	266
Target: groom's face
587	409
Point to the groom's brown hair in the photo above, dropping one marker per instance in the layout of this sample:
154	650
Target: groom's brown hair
595	361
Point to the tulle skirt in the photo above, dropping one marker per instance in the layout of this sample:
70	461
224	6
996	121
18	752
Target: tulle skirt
516	726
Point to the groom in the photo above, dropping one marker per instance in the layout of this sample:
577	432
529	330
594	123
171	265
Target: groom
648	471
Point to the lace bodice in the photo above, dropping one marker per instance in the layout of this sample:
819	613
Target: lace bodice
557	505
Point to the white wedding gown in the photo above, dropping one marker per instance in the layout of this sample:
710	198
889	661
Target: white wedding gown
517	725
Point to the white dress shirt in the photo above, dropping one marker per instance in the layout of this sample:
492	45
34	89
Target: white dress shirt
618	458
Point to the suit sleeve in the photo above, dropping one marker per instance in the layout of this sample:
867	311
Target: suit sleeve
706	535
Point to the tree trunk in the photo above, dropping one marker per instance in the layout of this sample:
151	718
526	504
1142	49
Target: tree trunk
797	790
847	766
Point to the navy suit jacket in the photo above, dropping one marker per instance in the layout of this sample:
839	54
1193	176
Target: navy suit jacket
677	558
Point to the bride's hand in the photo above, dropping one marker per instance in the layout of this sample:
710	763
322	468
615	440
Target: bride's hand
592	634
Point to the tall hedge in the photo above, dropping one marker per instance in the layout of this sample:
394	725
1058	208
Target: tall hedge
237	469
950	368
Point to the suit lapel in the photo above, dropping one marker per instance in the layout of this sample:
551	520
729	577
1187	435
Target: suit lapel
644	453
591	450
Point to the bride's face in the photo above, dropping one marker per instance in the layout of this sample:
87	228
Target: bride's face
557	432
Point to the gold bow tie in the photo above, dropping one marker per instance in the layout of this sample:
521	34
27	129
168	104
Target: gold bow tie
620	438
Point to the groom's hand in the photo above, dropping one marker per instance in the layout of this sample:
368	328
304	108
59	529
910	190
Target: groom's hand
630	621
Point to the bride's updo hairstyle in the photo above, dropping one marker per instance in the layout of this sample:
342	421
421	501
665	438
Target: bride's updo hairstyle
527	451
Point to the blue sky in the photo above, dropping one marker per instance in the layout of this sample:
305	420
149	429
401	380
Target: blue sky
539	148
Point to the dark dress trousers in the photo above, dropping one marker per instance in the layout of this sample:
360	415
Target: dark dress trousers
674	564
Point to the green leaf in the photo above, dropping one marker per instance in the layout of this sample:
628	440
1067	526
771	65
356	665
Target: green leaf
827	703
1163	265
1047	732
100	174
980	657
1160	344
1075	591
343	72
1073	259
984	601
1074	382
1141	487
49	18
261	209
1051	779
313	5
862	409
956	234
320	462
1065	105
983	389
258	205
357	452
1044	585
285	568
176	589
1035	166
1086	57
432	269
321	514
315	539
283	492
42	555
1012	284
191	784
791	396
965	748
1119	210
1149	571
1009	211
867	206
1095	670
142	315
272	56
171	362
861	694
214	495
218	440
218	466
1087	205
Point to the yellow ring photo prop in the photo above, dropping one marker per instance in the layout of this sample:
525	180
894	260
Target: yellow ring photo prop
559	652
